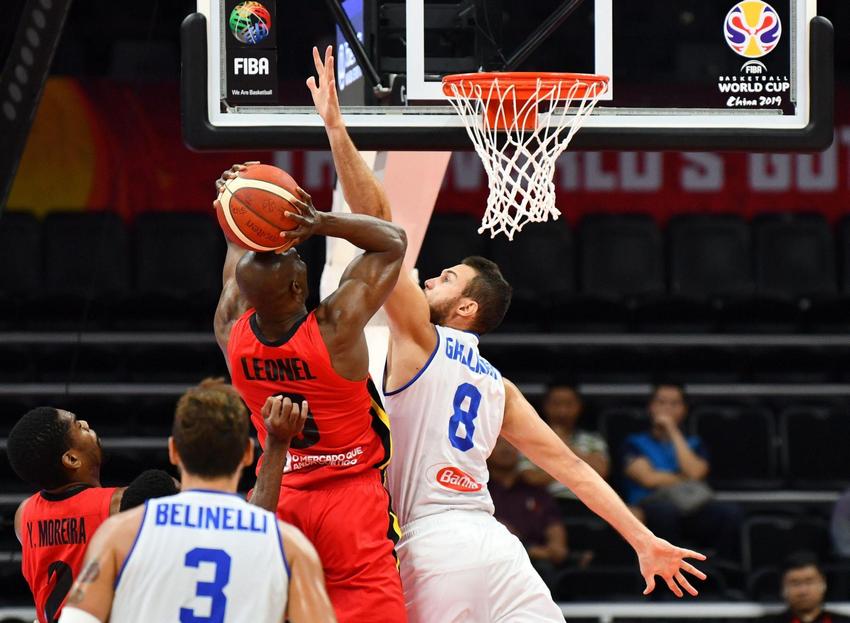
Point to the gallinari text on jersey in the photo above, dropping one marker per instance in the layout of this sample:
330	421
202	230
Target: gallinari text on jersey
470	358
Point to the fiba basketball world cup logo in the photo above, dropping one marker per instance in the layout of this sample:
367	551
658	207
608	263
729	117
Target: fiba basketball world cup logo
752	28
250	22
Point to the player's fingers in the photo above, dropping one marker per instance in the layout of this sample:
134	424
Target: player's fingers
305	196
267	407
304	408
689	568
311	84
650	584
298	218
250	163
689	553
683	582
674	588
276	407
317	61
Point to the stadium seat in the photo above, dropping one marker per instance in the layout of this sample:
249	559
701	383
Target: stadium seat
187	364
621	265
794	270
178	260
20	257
741	443
765	584
710	264
768	540
618	583
810	456
615	424
449	239
86	270
595	535
539	264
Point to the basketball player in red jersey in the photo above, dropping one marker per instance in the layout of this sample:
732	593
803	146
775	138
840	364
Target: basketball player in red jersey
61	455
332	488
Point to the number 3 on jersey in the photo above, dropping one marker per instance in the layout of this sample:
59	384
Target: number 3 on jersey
464	416
213	590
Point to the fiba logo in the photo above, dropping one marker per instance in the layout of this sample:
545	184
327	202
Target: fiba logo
250	22
251	66
752	28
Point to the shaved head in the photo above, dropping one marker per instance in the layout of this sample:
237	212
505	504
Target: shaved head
273	283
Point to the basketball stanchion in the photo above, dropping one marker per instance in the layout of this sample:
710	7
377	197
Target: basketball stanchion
519	124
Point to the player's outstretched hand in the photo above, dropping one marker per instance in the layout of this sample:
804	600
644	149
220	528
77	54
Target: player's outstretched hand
308	218
324	90
665	559
232	173
283	419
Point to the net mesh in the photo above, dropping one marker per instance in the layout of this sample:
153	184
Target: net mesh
519	136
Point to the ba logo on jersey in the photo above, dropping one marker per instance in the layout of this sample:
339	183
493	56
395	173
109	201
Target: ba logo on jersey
752	28
457	480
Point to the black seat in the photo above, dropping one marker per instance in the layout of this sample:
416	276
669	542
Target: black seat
741	443
449	239
810	456
616	424
618	583
710	264
596	536
86	270
20	257
178	261
620	265
539	263
794	270
768	541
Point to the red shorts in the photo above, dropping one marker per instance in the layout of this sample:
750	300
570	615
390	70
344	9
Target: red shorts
354	531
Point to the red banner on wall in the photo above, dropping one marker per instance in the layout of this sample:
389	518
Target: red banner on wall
105	145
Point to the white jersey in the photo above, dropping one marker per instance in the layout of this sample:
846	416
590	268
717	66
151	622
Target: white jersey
445	423
203	556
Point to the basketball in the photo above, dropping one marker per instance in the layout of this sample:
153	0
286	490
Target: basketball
251	208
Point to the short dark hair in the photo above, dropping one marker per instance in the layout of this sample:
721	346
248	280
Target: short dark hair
562	382
150	484
490	290
800	559
36	445
210	429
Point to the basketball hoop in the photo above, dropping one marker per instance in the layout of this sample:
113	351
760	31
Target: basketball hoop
520	123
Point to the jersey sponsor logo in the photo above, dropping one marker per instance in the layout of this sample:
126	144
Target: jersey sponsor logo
457	480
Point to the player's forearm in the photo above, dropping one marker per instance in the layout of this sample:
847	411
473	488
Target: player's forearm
362	191
267	490
368	233
234	254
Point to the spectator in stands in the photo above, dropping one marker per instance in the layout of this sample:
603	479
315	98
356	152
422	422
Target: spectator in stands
665	476
840	526
804	590
562	409
527	511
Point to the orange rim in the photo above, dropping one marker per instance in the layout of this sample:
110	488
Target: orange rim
524	82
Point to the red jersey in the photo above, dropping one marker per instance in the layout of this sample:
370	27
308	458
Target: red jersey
56	529
347	431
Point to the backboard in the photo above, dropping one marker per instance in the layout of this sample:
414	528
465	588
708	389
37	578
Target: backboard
684	74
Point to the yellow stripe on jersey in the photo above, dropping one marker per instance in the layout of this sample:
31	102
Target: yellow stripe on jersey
381	425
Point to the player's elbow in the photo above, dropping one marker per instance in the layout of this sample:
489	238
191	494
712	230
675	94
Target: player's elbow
398	246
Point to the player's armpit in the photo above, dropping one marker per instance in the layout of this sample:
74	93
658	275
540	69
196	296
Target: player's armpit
93	589
308	600
115	502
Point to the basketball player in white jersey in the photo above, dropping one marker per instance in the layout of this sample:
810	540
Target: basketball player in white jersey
204	554
447	407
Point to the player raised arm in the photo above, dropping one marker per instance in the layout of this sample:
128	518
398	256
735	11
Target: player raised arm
283	421
231	304
407	309
308	599
529	434
364	285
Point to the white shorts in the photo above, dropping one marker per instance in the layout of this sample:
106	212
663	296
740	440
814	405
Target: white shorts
466	567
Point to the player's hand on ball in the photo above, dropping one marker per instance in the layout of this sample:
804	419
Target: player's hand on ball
324	91
309	219
283	418
232	173
659	557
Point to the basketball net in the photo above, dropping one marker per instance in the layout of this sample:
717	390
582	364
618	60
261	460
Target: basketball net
519	124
